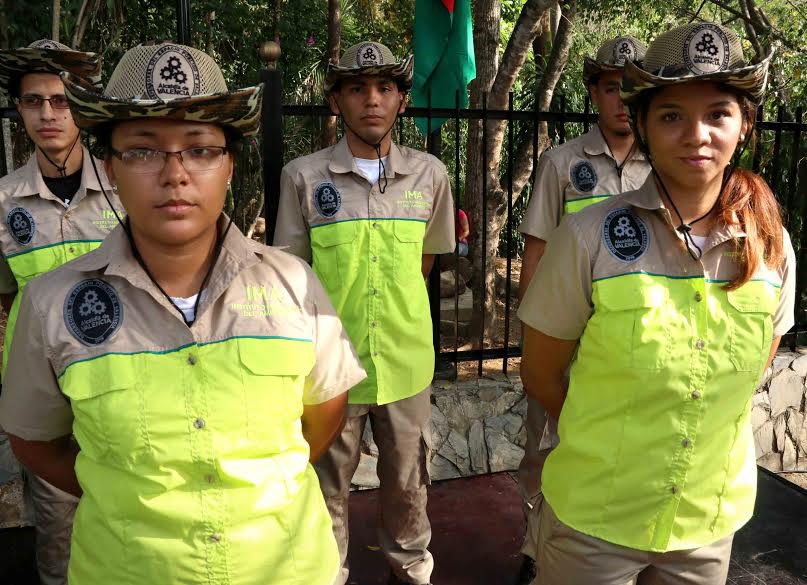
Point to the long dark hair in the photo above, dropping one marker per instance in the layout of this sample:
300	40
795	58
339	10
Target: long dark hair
746	200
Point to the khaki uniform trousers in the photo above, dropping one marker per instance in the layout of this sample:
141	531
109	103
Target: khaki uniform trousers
53	514
542	437
402	432
568	557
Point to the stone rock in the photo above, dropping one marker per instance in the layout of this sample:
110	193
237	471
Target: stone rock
521	407
771	461
449	261
786	391
477	449
763	439
441	468
440	429
455	450
800	366
509	424
761	399
803	440
463	329
789	456
12	504
795	422
449	287
465	311
366	476
368	443
759	416
502	453
779	428
506	401
781	361
801	464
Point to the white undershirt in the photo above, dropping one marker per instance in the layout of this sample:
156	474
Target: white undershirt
187	306
700	241
369	167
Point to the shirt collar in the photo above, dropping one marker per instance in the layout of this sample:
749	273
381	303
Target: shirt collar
34	182
594	144
342	160
648	197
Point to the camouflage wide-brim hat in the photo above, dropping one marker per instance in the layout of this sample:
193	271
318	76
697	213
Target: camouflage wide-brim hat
165	81
46	56
612	56
696	52
368	58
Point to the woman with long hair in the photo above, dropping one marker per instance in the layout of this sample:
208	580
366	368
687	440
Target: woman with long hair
181	378
669	302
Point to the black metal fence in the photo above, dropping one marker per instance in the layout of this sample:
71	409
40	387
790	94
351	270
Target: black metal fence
776	154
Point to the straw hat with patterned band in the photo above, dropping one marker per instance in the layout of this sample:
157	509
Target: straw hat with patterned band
612	56
165	80
46	56
701	51
368	58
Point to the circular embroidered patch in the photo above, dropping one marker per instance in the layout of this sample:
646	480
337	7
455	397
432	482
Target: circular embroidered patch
172	73
625	235
21	225
624	50
327	199
706	49
583	176
93	311
369	55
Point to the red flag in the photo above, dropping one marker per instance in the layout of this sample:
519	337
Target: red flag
449	5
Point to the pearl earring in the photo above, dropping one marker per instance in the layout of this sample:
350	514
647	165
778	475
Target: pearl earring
229	182
115	189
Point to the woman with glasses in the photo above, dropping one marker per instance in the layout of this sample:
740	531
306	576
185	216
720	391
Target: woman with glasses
200	372
669	302
51	211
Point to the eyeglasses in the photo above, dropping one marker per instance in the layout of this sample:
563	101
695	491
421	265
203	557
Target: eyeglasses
30	102
147	160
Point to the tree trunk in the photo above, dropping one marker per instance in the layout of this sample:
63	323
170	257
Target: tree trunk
57	16
487	19
3	24
88	10
331	55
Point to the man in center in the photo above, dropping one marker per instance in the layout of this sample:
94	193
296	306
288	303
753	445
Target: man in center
370	216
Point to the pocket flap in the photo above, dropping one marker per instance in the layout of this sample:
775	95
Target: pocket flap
276	356
334	234
98	376
409	230
754	297
625	298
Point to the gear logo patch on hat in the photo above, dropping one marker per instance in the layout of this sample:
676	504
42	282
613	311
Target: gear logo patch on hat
624	50
706	49
369	55
583	176
21	225
327	199
625	235
172	73
93	311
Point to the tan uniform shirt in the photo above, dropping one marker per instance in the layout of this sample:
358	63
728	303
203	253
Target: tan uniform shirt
254	292
574	175
32	220
367	248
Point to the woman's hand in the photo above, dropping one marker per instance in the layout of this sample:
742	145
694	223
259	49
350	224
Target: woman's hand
54	461
543	368
322	423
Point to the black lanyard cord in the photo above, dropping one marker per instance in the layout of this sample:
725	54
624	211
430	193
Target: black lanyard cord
620	166
63	167
382	169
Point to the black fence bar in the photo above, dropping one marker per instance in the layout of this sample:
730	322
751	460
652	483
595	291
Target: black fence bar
272	147
757	147
508	275
184	22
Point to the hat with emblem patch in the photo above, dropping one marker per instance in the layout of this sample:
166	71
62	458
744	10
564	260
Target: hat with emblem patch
46	56
699	51
165	80
369	58
612	56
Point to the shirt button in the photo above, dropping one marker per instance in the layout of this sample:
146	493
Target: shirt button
374	258
72	250
209	478
373	291
700	344
215	537
674	489
686	443
695	395
375	225
698	297
199	423
191	359
375	354
374	324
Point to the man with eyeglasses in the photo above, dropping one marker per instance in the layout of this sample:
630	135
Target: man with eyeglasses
51	211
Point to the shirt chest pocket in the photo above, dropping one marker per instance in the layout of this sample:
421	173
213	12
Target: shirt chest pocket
750	323
632	326
408	251
109	409
273	374
334	253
